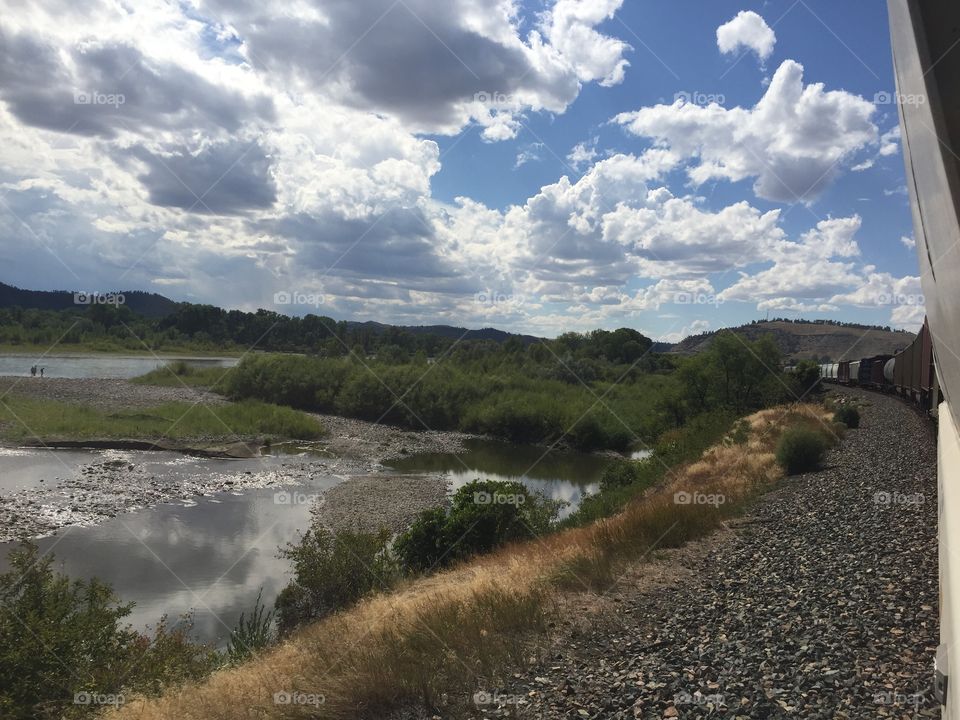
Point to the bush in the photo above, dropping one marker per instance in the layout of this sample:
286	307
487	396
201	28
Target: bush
484	514
848	415
422	547
800	450
620	473
60	637
331	571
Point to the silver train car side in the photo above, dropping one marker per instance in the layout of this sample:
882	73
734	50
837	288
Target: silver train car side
926	55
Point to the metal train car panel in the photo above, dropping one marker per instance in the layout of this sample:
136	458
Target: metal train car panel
924	32
843	372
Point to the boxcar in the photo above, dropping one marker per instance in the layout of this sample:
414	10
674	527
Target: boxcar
843	372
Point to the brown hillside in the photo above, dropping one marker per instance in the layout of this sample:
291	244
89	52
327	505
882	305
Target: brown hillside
816	341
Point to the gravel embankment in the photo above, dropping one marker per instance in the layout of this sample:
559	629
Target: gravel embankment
104	394
822	603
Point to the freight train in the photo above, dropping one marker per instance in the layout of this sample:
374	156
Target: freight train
910	373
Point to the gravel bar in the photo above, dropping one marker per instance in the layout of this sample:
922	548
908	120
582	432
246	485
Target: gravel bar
822	603
371	502
103	393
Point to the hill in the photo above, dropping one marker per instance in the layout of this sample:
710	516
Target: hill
152	305
448	331
820	341
143	303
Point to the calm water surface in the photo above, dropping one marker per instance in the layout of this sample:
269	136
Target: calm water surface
559	475
99	366
211	557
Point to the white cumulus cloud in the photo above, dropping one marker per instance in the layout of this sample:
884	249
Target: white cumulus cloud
793	142
747	30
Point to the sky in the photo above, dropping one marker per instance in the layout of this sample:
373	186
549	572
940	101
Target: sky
670	166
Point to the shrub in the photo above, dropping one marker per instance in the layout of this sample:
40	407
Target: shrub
800	450
60	637
331	571
619	474
423	546
484	514
848	415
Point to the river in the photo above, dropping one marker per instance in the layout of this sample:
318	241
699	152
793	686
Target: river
211	555
91	365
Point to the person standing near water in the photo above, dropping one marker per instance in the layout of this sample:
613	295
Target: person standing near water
41	371
33	371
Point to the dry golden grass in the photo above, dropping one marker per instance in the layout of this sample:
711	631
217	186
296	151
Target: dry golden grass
459	630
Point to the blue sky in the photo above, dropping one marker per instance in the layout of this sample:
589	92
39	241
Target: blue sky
412	163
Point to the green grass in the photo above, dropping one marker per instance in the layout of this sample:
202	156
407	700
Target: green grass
26	417
179	373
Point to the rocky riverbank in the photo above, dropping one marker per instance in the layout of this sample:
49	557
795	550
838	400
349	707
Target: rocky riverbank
821	603
116	482
122	474
105	393
376	443
371	502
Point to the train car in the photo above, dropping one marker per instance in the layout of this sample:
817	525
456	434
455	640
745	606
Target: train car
853	372
888	368
878	364
927	65
843	372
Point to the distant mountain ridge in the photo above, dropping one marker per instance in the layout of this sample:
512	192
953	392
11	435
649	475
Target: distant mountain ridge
797	340
153	305
448	331
804	340
143	303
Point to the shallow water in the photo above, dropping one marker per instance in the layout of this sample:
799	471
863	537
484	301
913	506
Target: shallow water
22	468
558	475
98	366
212	555
211	558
